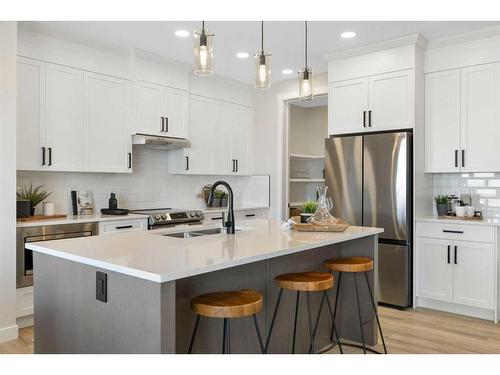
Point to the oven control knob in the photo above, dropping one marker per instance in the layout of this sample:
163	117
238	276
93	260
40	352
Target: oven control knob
164	216
192	214
158	217
198	213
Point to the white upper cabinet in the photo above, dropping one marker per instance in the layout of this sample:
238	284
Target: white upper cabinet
64	118
442	121
480	127
462	119
240	137
107	123
391	103
348	106
221	138
30	115
176	122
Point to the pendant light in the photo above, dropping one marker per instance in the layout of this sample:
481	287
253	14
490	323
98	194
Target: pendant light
305	77
262	65
203	52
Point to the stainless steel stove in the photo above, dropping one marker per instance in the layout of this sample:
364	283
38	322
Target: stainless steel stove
161	217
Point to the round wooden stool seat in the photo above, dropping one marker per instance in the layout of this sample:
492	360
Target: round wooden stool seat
350	264
231	304
305	281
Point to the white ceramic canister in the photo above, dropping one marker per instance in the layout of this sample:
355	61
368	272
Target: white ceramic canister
461	210
48	208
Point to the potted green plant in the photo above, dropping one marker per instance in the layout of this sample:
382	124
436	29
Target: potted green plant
217	195
441	205
33	195
308	210
223	199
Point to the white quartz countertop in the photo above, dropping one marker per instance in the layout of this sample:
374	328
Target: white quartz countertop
486	221
73	219
151	256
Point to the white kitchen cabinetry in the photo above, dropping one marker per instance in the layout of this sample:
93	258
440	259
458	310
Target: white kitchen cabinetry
107	124
240	134
30	114
456	268
119	226
375	103
161	110
462	119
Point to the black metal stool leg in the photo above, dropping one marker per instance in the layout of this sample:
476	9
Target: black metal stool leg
359	313
273	320
259	336
334	329
317	319
194	334
336	303
311	337
228	349
376	313
295	323
224	336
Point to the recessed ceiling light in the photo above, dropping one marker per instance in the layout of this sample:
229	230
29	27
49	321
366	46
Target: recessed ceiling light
242	55
287	71
348	34
182	33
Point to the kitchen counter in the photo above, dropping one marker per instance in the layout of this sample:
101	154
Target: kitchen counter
241	208
151	279
435	219
74	219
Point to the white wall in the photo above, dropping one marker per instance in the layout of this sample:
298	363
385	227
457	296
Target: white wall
308	129
265	135
8	99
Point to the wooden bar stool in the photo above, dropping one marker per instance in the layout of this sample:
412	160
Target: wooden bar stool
227	305
355	265
303	282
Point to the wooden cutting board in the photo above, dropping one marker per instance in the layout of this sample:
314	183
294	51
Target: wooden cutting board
40	218
451	217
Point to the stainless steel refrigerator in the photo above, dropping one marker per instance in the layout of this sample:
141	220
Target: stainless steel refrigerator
369	179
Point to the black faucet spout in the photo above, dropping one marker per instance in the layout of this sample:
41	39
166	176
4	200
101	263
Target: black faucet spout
229	223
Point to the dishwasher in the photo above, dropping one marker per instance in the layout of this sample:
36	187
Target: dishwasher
24	235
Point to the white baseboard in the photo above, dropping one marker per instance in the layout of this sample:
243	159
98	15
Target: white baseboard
9	333
456	309
25	321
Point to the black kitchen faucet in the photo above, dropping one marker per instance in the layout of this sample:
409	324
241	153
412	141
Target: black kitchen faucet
229	223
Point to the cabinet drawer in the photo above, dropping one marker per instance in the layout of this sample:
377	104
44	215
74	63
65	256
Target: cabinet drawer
254	214
122	226
464	232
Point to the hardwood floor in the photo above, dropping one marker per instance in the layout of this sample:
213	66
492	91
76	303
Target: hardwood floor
411	332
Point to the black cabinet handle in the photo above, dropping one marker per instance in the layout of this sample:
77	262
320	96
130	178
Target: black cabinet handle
50	155
453	231
125	227
129	154
463	158
249	215
43	155
234	165
162	124
455	260
456	158
166	124
237	166
449	254
364	119
370	119
217	218
187	164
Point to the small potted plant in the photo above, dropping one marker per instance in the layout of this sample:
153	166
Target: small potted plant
223	199
33	195
308	210
441	205
216	199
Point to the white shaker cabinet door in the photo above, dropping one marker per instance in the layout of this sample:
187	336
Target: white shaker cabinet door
434	269
221	138
240	139
474	274
64	118
202	117
177	113
442	121
150	108
347	106
107	123
480	125
392	101
30	115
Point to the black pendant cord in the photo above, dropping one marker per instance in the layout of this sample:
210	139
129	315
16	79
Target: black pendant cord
262	37
306	46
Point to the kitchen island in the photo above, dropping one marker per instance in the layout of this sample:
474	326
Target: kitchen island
151	278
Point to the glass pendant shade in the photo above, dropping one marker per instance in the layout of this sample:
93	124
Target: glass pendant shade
262	70
306	84
203	53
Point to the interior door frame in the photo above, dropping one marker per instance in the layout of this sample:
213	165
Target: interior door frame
283	143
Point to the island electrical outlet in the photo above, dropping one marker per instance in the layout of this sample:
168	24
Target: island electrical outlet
101	286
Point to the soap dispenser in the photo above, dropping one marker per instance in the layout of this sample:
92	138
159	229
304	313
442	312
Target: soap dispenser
113	203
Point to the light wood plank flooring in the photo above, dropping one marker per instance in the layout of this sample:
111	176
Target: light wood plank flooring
412	332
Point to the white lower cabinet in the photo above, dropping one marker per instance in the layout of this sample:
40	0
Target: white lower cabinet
461	274
118	226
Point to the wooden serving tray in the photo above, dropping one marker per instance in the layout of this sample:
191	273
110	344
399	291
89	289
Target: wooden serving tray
450	217
312	227
39	218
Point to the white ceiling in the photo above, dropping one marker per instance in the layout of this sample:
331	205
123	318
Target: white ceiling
285	39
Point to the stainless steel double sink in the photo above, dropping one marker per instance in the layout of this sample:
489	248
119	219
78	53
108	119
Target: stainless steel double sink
198	233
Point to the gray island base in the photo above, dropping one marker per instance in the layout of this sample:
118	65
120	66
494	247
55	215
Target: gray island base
145	316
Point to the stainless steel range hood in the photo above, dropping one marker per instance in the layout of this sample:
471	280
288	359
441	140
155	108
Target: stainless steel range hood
162	142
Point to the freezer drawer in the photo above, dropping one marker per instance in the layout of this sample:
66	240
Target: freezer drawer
394	274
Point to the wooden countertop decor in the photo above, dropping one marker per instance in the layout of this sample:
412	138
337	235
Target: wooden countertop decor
338	226
40	218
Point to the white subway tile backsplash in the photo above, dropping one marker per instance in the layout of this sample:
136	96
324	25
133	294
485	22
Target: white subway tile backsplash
149	186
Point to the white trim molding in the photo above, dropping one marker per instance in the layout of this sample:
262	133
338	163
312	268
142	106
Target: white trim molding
9	333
